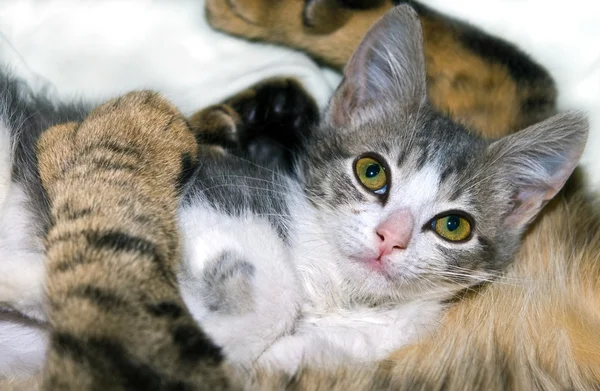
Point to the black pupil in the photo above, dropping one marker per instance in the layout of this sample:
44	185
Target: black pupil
453	223
372	170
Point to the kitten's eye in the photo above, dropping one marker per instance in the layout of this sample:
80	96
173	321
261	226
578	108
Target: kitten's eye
371	174
454	228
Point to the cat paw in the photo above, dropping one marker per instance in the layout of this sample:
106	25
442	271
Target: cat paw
138	130
266	18
276	115
328	30
216	128
265	122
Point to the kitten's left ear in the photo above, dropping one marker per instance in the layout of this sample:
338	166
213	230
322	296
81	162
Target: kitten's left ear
536	162
387	69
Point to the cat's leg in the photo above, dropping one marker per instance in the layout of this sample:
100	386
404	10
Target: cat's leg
326	29
265	122
480	80
117	317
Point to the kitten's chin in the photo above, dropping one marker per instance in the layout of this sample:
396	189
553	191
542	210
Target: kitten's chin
381	267
375	264
376	280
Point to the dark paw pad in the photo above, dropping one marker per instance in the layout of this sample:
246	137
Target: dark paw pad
276	116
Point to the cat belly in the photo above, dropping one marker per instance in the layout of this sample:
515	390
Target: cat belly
238	281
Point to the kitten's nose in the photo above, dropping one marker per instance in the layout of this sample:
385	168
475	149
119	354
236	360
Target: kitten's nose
395	231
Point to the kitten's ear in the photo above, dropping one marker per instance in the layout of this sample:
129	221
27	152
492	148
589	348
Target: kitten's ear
536	162
388	67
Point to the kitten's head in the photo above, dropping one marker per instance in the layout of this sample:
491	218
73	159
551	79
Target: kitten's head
413	202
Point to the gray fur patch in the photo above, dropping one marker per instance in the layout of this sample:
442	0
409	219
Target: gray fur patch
235	186
227	284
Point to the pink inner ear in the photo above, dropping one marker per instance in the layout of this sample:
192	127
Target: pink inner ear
350	95
528	204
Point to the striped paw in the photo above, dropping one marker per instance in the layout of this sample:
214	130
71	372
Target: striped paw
141	133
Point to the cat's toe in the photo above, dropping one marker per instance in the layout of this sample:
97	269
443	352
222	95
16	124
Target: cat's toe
277	115
249	18
217	129
279	110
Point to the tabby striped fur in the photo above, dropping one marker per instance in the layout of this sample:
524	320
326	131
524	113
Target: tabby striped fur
117	318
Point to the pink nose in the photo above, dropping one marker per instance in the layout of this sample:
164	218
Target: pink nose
395	232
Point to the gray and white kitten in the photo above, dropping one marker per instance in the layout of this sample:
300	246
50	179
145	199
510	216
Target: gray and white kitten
342	261
395	209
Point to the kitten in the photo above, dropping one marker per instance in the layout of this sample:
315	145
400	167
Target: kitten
395	209
290	230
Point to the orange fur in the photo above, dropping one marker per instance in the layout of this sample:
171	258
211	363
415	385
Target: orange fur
477	92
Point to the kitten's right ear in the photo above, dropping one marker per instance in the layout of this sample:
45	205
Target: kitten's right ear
535	163
387	69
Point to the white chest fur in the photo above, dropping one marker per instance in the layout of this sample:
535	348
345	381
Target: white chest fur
359	334
298	309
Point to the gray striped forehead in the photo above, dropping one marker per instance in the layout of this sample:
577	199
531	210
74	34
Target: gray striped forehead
410	140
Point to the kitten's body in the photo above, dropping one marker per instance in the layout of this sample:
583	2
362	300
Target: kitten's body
268	275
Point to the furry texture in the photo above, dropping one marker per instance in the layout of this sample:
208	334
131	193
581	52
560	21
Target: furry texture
481	81
309	258
579	376
112	251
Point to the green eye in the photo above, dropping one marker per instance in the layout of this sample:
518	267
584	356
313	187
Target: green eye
454	228
371	174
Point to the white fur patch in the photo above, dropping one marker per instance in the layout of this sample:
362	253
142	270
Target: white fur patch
276	293
360	334
22	346
22	270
